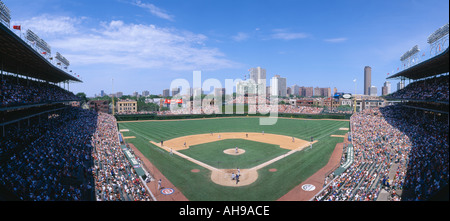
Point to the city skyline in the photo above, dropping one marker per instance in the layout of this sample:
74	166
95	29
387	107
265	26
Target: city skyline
144	45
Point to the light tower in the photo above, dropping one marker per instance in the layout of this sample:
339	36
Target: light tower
438	40
410	57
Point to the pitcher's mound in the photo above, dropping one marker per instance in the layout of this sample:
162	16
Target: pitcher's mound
232	151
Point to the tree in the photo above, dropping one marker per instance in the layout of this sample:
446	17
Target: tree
82	96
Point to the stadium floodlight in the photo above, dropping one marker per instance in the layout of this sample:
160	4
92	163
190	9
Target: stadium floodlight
410	53
5	14
438	34
32	37
62	59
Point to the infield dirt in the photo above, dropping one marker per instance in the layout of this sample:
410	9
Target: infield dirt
224	176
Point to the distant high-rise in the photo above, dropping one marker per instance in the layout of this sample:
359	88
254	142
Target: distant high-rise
384	90
295	89
387	84
175	91
367	79
372	91
166	93
306	91
258	75
278	86
325	92
317	92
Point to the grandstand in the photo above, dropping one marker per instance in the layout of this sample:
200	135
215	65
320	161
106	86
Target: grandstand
400	152
49	149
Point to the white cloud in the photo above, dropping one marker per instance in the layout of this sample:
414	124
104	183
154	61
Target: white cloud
241	36
336	40
286	35
142	46
47	25
161	13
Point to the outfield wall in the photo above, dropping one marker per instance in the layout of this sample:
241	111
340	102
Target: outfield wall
136	117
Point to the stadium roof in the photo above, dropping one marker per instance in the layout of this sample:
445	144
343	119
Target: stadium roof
436	65
16	56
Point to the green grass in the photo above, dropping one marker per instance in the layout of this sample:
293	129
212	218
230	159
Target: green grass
269	186
213	155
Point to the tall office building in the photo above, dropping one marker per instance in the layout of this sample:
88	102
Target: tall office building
387	84
367	79
317	92
295	90
166	93
306	91
175	91
325	92
278	86
373	91
384	90
259	76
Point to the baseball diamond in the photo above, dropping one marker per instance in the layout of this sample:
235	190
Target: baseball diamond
201	145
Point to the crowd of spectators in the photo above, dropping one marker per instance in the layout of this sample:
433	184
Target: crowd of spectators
115	179
71	155
299	109
426	162
416	143
435	88
15	91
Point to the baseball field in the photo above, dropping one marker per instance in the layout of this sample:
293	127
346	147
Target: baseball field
200	157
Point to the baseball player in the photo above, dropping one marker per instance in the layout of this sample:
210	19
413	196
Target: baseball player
159	184
236	150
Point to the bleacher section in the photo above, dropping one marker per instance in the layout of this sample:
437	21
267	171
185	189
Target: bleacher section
401	151
49	149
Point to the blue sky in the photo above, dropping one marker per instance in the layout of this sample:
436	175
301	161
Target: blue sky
145	44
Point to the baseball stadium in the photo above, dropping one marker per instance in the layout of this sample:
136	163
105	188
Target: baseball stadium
54	149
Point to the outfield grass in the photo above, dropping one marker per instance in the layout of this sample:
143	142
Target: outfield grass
270	186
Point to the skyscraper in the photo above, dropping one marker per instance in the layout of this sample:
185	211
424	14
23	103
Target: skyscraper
278	86
373	91
295	90
166	93
258	75
367	79
387	84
